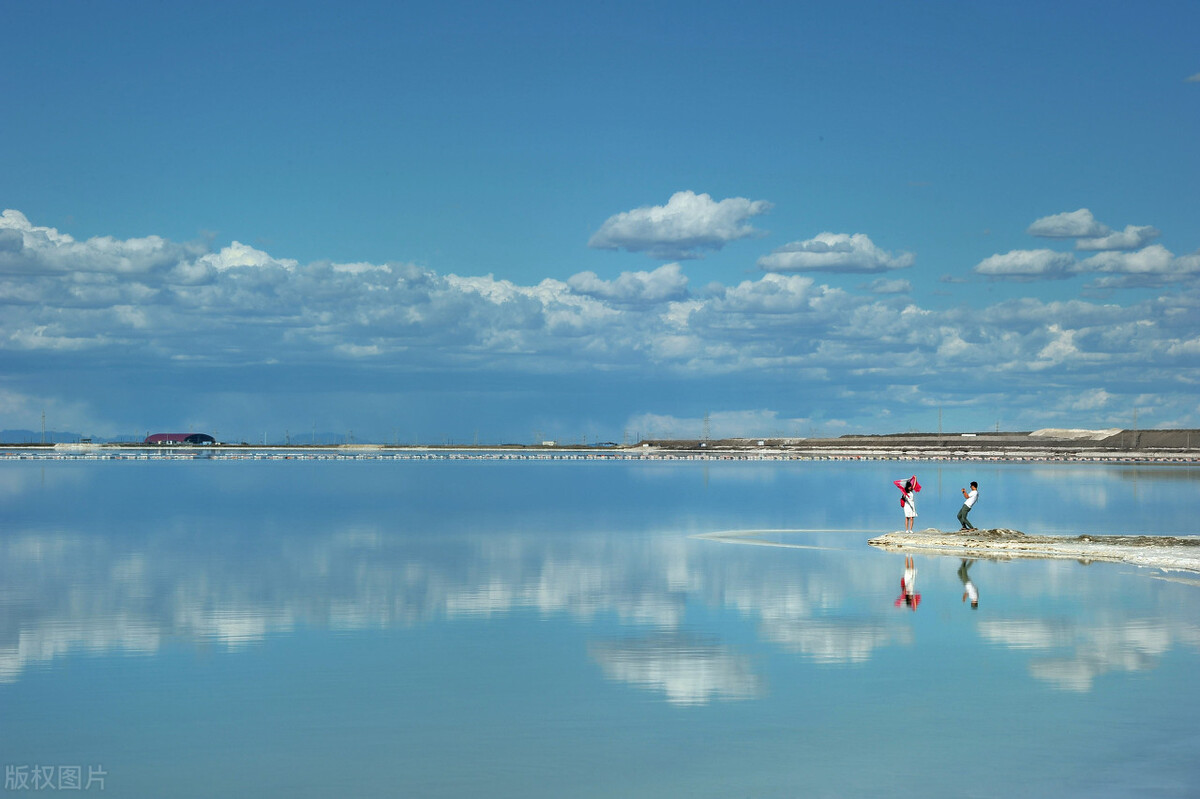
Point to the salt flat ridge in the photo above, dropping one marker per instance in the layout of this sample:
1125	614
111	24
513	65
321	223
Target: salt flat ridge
1170	553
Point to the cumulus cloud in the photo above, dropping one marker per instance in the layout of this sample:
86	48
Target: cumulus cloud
239	306
834	252
1123	259
1132	238
681	229
27	249
1027	265
242	256
1061	346
662	285
1151	267
1071	225
1154	259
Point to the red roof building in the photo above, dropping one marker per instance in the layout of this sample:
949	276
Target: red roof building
180	438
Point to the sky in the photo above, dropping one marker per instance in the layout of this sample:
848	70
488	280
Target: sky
516	222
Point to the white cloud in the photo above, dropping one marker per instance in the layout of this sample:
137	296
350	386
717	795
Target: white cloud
241	306
687	224
1190	347
1028	265
1152	267
664	284
834	252
32	250
1074	224
771	294
243	256
1061	347
1131	238
1153	260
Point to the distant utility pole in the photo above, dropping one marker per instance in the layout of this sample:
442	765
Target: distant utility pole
43	425
707	426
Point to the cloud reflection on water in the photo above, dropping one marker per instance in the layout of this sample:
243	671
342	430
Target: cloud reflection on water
74	593
1083	652
688	669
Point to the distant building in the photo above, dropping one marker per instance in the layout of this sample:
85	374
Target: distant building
180	438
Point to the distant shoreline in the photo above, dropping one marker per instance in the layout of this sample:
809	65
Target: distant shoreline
1105	446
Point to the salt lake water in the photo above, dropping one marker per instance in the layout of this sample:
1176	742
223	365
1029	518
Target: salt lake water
561	629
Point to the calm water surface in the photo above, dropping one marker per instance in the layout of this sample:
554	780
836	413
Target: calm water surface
530	629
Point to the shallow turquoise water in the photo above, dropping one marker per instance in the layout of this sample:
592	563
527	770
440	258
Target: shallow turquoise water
462	628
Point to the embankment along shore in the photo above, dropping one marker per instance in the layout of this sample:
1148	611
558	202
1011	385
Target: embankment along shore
1117	446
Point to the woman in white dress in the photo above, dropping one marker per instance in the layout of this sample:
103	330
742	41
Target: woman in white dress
910	506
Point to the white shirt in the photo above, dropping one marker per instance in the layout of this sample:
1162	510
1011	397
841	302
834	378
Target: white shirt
971	497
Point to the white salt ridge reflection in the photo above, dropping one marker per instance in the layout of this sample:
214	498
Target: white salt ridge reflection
1133	646
686	669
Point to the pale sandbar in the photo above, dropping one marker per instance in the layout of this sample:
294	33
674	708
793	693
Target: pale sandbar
1170	553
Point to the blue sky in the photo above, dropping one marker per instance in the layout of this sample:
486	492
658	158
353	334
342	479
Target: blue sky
598	221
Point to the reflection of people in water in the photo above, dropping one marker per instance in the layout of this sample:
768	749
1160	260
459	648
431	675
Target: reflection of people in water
908	585
969	589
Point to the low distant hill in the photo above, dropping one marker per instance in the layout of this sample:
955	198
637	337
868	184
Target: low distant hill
35	437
